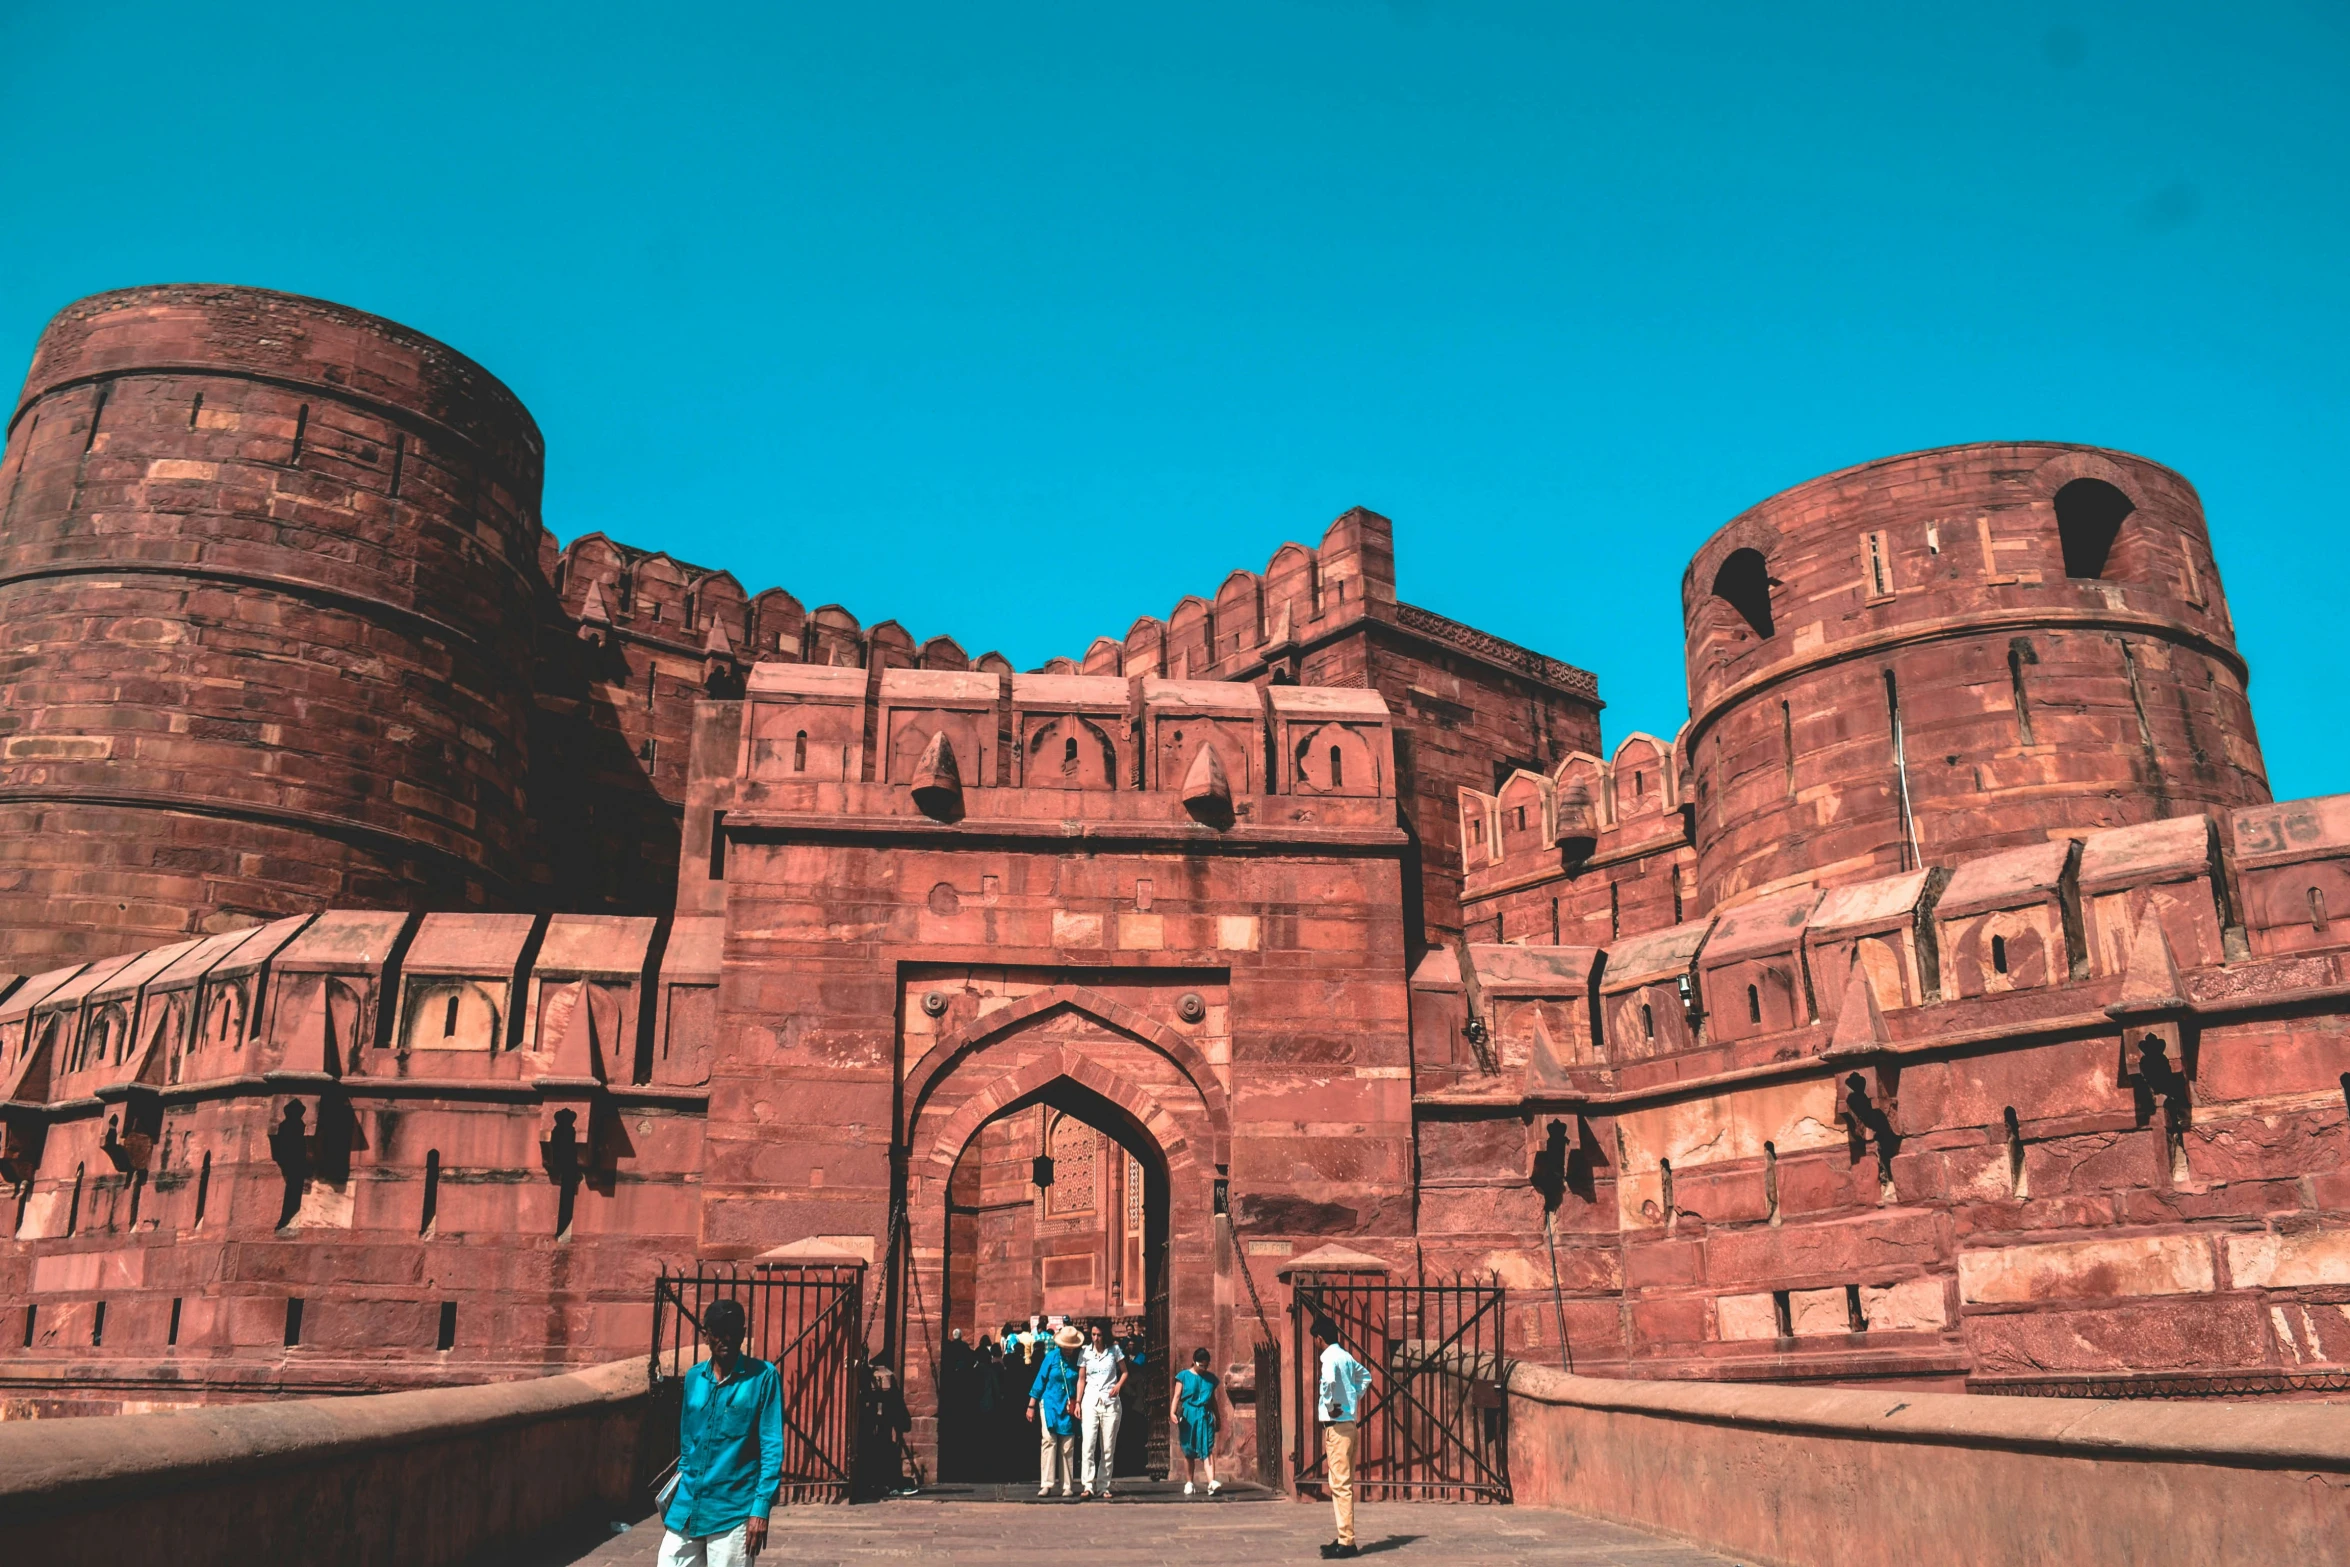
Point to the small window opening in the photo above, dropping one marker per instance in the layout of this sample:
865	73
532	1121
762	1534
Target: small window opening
2015	1151
2317	908
1639	785
799	752
1783	1313
1753	1004
1999	954
1744	583
1069	756
2089	517
1664	1170
1476	832
73	1207
1771	1180
1853	1316
449	1020
293	1320
1647	1020
172	1336
203	1188
447	1338
1520	823
432	1192
717	846
1338	769
1877	588
98	1325
32	1312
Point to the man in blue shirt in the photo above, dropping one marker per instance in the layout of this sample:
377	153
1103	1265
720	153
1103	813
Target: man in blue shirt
1052	1407
1339	1400
729	1451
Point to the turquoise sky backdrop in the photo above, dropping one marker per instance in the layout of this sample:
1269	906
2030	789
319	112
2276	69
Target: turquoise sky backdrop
1015	322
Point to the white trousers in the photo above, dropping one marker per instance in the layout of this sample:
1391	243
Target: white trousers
1101	1441
731	1549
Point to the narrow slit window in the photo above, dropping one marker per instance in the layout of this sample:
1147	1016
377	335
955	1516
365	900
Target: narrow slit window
447	1337
1337	768
172	1336
1999	954
1753	1004
98	1325
1647	1021
1880	575
799	752
432	1192
449	1019
293	1321
2317	909
2019	653
203	1188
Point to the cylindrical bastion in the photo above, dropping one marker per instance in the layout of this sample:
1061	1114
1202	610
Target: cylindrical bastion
1954	651
264	621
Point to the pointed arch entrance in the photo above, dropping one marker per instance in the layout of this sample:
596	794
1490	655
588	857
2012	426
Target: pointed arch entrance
1112	1068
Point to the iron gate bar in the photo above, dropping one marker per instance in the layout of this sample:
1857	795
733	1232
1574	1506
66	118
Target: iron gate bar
1452	1445
803	1321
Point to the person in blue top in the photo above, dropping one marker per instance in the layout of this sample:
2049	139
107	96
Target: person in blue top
1052	1406
1339	1400
729	1451
1194	1415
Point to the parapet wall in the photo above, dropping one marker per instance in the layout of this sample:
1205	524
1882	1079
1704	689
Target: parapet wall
1804	1477
398	1479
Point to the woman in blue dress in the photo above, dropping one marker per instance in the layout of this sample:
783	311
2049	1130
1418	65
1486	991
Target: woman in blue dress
1194	1415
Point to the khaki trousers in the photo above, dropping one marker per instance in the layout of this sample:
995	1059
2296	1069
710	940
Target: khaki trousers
1056	1459
1338	1462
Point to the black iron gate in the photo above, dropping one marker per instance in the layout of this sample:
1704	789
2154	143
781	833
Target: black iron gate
1434	1425
808	1322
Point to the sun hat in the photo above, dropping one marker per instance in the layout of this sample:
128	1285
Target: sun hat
1069	1338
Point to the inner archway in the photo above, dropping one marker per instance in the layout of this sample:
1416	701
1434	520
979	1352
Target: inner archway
1111	1066
1057	1208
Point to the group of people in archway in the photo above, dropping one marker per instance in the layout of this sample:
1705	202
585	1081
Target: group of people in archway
1070	1389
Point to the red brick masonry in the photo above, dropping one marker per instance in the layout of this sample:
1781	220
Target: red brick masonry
429	932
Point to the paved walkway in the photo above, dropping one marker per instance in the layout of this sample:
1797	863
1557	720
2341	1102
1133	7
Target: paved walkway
1180	1534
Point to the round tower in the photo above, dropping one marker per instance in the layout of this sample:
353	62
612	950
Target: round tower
1953	651
264	597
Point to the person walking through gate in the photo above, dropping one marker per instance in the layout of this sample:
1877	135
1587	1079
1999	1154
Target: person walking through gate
1052	1406
1343	1380
1194	1415
729	1451
1101	1377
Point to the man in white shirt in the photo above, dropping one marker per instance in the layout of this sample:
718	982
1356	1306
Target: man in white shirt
1101	1377
1343	1382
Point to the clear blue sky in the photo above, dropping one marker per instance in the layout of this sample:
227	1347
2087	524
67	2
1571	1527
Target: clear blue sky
1018	322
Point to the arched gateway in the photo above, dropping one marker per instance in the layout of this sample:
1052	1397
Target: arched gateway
1113	1068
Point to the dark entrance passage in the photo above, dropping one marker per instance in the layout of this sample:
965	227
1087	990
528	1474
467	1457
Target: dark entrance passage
1057	1208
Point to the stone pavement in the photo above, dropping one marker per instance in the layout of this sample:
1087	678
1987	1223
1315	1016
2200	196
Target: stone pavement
1198	1533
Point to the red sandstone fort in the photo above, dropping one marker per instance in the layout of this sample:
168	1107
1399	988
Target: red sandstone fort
418	933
